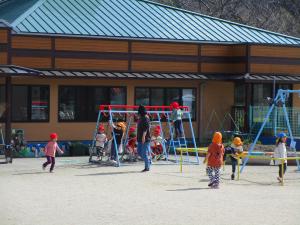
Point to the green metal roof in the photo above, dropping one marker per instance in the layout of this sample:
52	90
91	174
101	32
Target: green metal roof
130	19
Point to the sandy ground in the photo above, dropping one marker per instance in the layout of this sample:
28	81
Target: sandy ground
79	193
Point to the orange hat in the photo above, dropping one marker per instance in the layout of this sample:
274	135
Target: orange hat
237	141
101	128
217	138
53	136
174	105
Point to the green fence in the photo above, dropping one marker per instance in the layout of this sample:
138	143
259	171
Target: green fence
276	122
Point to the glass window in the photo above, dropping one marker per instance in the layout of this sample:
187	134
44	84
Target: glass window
39	103
20	103
142	96
165	96
82	103
66	103
240	95
30	103
157	96
189	99
2	103
172	95
260	94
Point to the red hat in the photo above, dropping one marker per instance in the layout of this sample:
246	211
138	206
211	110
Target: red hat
101	128
132	129
157	130
174	105
53	136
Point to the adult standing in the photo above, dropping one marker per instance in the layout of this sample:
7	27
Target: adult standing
143	137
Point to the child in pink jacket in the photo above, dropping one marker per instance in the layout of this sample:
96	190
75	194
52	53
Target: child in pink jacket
50	151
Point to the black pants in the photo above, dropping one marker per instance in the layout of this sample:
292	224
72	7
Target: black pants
178	128
280	169
233	164
51	160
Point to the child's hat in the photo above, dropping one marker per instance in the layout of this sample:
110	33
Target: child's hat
157	130
101	128
132	129
217	138
53	136
174	105
281	135
237	141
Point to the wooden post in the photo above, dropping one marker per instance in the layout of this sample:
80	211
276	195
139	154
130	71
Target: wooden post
8	100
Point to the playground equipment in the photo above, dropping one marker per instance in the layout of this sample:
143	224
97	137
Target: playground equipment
158	115
221	124
279	101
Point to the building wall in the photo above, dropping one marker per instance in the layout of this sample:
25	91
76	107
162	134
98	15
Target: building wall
275	60
36	131
296	98
218	100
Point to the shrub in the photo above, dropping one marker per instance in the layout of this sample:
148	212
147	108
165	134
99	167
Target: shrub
78	149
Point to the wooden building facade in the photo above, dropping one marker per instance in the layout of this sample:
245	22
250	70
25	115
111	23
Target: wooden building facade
79	72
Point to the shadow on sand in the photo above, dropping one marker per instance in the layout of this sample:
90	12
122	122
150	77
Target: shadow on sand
109	173
190	189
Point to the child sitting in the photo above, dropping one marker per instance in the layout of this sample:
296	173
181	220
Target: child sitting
101	139
176	118
236	149
156	143
280	152
132	143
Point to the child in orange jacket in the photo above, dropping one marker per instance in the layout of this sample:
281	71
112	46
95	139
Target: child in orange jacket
214	159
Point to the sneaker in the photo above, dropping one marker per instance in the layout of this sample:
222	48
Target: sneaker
51	171
145	170
279	179
232	176
211	183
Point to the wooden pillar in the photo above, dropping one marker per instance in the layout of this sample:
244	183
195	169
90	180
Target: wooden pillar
247	106
8	100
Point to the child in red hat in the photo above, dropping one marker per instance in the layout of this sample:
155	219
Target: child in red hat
176	118
131	144
101	139
50	151
156	143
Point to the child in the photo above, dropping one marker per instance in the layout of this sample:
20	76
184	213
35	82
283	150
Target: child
280	152
236	149
156	143
214	159
131	144
176	118
50	151
101	139
119	130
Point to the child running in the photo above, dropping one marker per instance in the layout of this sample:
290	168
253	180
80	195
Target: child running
50	151
280	152
214	159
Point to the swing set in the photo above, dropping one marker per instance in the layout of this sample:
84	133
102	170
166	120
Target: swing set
278	101
158	115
